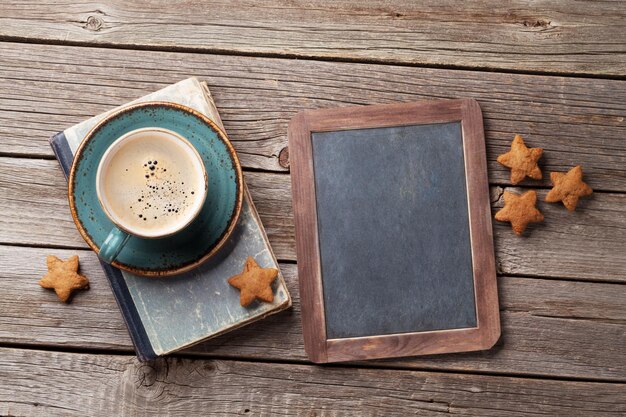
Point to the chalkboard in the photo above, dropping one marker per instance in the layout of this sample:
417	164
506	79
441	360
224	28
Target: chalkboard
393	230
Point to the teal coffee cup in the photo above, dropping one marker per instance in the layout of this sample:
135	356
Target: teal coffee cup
151	183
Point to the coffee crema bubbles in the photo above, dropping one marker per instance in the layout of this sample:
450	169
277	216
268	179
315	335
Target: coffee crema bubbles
152	188
161	197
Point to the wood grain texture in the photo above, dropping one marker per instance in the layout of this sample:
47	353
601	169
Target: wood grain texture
39	383
586	245
44	179
576	121
580	37
481	230
549	327
307	244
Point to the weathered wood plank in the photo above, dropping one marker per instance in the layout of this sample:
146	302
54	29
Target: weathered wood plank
38	383
46	219
545	35
577	121
550	327
587	244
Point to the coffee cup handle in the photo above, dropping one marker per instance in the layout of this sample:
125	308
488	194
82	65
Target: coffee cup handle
113	244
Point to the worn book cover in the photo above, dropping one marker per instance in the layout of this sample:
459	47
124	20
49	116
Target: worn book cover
167	314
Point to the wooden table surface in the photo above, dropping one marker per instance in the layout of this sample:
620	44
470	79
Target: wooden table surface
553	71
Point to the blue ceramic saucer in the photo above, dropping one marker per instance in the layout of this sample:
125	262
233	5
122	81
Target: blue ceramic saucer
205	235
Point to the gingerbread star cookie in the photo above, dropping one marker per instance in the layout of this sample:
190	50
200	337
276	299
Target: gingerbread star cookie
63	277
568	188
519	210
522	161
254	283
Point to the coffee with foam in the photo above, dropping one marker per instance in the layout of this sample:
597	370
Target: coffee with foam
151	182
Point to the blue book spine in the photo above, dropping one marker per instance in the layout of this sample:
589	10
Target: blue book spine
136	329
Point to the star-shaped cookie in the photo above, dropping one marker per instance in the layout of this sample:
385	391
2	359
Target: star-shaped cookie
63	277
568	187
254	283
522	161
519	210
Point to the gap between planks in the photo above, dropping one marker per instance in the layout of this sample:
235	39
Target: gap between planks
576	121
568	329
338	365
544	35
319	58
176	385
582	245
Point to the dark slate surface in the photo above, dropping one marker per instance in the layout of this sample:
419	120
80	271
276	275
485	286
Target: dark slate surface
394	232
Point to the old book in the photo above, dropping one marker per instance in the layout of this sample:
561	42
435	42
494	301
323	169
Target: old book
164	315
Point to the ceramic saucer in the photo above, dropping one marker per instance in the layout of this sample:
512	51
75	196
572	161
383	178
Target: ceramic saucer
205	235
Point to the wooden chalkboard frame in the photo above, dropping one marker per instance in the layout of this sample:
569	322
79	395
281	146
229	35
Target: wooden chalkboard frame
319	348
